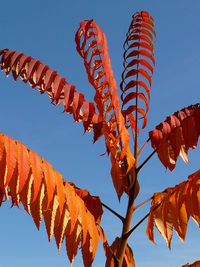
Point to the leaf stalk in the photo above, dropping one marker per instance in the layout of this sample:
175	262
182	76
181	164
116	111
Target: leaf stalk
114	212
146	160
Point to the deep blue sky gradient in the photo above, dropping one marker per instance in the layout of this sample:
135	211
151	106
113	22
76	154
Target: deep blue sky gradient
46	30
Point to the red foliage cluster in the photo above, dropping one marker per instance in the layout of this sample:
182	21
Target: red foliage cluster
92	46
176	135
138	65
69	213
47	80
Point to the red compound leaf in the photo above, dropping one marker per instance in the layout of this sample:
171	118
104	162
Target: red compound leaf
47	80
68	212
138	65
92	46
176	135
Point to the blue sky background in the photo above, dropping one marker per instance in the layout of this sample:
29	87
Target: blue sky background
46	30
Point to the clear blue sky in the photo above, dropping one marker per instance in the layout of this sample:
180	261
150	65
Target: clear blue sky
45	30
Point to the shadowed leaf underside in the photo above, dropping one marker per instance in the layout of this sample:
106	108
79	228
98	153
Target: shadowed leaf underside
176	135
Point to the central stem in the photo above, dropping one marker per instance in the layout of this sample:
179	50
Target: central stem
125	229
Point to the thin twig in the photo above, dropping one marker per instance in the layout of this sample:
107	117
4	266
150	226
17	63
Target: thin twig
143	146
114	212
146	160
142	203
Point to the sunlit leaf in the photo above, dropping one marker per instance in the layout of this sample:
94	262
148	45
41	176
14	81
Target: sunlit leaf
69	212
172	208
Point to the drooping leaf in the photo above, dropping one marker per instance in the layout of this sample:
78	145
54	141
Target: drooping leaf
69	212
138	65
90	247
72	242
176	135
92	46
47	80
172	208
119	178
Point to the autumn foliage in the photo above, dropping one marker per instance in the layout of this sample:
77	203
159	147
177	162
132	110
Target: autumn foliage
71	214
166	216
68	212
175	135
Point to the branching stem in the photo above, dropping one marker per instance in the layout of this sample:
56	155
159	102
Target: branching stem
141	221
134	227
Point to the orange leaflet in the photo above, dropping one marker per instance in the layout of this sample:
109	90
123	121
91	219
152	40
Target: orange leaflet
72	241
11	156
132	108
23	165
72	204
84	223
12	178
36	167
119	177
142	62
36	205
50	182
90	247
132	96
61	227
60	191
3	164
50	215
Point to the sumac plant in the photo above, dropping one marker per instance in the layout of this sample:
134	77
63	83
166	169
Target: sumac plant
71	214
